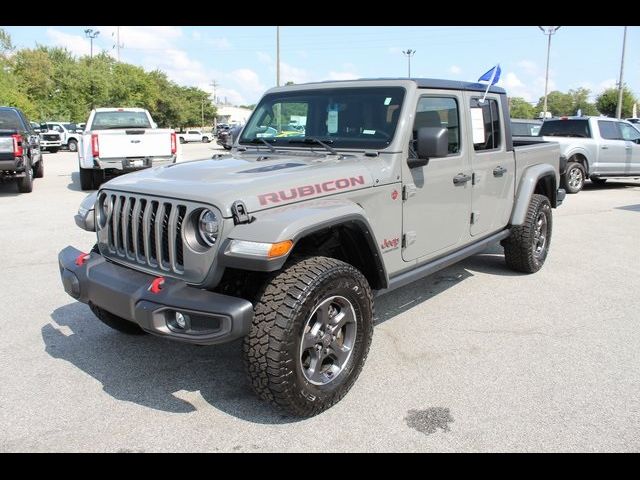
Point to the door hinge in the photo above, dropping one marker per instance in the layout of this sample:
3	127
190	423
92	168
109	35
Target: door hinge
408	191
474	217
408	238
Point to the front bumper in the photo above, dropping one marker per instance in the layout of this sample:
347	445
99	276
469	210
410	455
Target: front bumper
212	318
48	144
132	164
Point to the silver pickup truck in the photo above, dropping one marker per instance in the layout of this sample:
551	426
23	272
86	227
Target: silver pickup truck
285	240
596	148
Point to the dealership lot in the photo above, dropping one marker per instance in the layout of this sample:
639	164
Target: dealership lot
474	358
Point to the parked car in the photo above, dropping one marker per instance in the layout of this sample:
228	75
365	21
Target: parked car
284	242
20	156
122	140
521	127
194	136
226	138
596	148
68	135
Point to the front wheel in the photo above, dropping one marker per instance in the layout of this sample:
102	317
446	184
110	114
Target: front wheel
574	177
311	332
526	249
86	179
205	140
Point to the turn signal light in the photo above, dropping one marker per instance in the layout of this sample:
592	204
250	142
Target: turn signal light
280	248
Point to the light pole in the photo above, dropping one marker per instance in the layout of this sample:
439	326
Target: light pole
620	84
277	56
409	53
547	31
90	34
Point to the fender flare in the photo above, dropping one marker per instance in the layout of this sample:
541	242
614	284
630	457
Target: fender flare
526	188
295	222
579	151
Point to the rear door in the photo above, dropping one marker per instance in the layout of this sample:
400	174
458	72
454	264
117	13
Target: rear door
493	170
612	151
436	210
631	136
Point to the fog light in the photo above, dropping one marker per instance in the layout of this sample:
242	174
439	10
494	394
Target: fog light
181	320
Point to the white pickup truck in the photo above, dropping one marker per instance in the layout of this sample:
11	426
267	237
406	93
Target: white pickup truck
122	140
194	136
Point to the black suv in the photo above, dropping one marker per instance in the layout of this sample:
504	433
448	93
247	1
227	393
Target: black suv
20	157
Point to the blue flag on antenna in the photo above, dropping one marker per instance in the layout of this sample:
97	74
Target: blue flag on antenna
492	75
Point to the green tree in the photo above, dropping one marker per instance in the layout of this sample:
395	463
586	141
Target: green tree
520	108
607	102
580	99
558	104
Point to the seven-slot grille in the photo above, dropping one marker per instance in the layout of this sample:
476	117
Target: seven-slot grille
145	230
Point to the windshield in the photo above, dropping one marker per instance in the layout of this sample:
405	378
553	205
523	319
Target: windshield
342	117
123	119
566	128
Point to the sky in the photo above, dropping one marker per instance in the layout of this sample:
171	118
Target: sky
242	60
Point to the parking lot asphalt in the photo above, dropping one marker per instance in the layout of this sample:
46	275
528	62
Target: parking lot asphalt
474	358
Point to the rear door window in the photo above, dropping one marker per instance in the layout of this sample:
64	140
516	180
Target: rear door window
608	130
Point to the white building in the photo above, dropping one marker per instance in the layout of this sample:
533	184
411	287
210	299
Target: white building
229	114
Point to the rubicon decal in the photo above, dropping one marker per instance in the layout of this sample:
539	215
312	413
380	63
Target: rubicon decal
309	190
388	245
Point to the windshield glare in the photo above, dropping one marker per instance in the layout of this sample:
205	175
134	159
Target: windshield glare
108	120
343	117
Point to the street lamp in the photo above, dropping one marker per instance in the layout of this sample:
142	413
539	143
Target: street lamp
90	34
547	31
409	53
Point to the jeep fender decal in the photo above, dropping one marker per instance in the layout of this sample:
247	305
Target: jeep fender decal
309	190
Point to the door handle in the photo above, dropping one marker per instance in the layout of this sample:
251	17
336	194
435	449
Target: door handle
461	179
499	171
604	147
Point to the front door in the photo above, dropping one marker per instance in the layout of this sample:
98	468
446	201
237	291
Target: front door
493	171
436	210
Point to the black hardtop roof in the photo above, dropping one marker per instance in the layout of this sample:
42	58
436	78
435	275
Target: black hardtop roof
427	83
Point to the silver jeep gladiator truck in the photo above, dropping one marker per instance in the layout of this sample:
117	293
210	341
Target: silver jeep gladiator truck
286	240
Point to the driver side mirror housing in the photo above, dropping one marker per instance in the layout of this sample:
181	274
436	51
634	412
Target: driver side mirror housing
432	142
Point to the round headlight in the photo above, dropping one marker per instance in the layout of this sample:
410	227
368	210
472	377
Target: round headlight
208	226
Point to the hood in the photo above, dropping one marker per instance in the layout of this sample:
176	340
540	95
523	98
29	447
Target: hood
260	184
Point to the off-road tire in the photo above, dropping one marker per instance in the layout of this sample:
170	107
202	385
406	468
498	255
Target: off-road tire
597	180
25	184
115	322
520	247
72	145
273	346
38	170
86	179
574	177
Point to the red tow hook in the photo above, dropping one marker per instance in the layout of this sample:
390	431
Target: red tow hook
156	285
83	257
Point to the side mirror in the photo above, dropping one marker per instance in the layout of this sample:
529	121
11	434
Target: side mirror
433	142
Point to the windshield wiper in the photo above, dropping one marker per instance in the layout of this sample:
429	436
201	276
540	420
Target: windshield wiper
309	140
260	139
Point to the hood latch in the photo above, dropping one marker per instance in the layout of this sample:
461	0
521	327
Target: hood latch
240	214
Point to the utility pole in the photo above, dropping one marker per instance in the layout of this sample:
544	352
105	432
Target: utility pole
117	45
409	53
277	56
90	34
547	31
202	113
620	84
214	84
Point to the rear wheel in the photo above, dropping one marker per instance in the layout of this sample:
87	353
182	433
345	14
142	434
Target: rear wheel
310	335
72	146
526	249
182	140
25	184
574	177
38	170
86	179
205	140
115	322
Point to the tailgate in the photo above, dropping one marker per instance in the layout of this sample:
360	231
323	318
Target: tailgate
134	143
